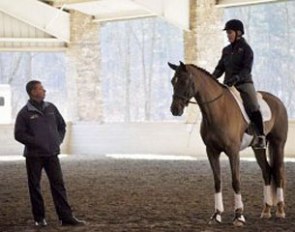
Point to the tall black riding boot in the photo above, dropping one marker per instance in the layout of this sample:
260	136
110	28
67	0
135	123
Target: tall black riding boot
257	120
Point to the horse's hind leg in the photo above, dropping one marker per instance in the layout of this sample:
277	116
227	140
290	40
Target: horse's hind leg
276	150
260	155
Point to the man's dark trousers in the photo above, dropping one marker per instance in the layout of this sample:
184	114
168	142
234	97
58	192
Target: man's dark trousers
52	168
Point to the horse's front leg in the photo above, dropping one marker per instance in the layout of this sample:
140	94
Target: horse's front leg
213	156
234	158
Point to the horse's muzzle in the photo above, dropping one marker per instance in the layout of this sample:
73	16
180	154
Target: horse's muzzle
176	110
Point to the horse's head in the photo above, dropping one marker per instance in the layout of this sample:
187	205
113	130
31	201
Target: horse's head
183	88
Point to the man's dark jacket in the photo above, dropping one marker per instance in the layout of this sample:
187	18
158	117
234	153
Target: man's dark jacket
236	59
40	130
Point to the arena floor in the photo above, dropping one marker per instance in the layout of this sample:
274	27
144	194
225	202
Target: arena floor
129	195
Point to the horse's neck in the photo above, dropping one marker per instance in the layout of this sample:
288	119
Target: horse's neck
207	88
209	97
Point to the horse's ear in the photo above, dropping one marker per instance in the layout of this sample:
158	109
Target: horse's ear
173	66
182	65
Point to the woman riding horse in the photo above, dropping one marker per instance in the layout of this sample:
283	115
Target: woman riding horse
217	105
236	62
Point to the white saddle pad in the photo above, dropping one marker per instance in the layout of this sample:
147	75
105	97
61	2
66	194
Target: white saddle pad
264	107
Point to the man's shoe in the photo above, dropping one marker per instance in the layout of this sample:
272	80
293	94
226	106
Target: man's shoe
41	223
72	221
260	142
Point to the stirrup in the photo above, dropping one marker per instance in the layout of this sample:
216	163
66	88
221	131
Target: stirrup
260	142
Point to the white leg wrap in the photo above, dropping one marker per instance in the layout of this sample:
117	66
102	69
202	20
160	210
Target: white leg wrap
280	195
267	193
238	202
218	202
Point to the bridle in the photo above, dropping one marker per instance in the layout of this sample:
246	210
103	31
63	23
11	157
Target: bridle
188	101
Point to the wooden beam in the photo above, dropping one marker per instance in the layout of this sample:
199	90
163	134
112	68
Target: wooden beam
173	11
67	1
33	49
61	3
40	15
230	3
123	15
29	40
32	44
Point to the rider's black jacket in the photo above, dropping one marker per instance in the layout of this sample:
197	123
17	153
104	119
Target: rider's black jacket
236	59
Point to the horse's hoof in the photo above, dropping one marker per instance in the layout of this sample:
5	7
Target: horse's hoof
265	215
239	219
280	213
215	219
239	223
266	212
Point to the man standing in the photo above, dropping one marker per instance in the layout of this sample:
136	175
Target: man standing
41	128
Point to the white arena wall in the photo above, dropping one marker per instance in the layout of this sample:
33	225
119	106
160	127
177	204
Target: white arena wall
173	138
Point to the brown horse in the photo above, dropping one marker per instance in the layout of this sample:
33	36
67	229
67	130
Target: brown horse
222	130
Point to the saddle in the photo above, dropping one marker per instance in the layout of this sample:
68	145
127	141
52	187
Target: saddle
264	107
248	136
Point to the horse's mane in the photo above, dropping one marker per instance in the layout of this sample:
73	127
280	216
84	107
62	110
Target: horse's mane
207	73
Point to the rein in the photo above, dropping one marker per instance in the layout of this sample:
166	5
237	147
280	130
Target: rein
212	100
200	103
184	98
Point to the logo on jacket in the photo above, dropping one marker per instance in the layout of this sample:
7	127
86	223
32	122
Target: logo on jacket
34	116
240	50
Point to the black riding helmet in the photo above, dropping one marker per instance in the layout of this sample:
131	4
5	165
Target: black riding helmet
235	25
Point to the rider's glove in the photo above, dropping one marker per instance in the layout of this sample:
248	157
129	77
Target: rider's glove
232	81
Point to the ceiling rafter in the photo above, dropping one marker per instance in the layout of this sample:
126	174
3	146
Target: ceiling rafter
231	3
49	19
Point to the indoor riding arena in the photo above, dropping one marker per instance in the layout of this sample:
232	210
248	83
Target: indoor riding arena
128	163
